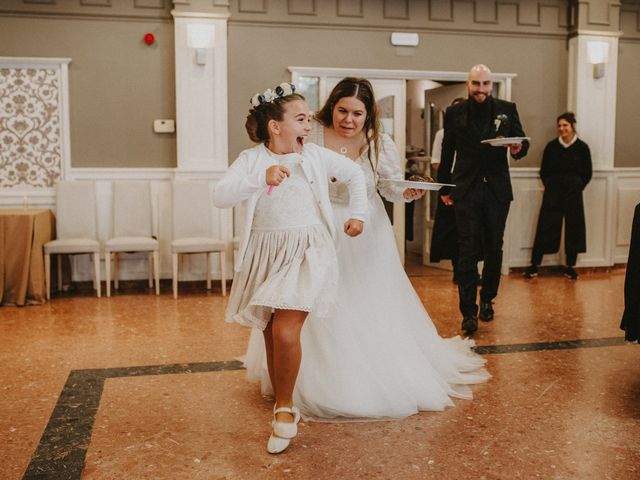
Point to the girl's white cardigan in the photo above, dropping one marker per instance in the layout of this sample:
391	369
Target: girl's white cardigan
245	181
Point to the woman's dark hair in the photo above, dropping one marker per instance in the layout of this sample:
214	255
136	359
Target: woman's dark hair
361	89
569	117
257	123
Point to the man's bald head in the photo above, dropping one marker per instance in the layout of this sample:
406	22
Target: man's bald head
479	84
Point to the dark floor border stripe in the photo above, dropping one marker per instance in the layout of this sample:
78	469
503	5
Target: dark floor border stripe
562	345
62	450
61	453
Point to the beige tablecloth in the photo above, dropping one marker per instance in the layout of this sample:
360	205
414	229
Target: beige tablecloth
23	232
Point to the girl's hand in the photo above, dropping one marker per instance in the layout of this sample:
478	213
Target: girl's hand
413	194
276	175
353	227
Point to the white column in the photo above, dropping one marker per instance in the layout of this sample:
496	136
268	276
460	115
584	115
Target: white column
592	92
201	91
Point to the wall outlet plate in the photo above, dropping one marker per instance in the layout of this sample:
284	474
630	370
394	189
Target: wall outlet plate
164	126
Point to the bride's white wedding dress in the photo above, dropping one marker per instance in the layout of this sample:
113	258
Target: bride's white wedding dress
379	355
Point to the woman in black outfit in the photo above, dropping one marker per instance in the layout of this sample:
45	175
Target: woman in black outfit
565	171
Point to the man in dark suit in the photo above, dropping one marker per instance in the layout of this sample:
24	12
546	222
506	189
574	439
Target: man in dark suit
482	191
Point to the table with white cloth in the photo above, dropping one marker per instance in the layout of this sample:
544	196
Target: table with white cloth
23	233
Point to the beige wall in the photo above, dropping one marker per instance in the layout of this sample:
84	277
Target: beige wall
118	85
256	64
628	92
627	112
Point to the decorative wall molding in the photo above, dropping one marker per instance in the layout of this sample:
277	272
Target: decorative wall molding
395	10
601	13
507	17
609	203
252	6
156	4
609	199
135	266
301	7
120	9
34	123
350	8
630	22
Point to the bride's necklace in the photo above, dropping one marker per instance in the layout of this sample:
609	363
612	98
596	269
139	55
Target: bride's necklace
355	146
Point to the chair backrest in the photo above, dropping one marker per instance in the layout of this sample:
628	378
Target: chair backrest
192	209
76	210
132	211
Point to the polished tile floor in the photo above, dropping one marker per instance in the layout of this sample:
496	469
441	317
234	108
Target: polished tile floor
143	387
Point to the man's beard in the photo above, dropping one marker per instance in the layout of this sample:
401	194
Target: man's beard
483	96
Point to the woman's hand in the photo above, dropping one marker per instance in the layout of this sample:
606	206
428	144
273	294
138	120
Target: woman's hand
413	194
353	227
276	175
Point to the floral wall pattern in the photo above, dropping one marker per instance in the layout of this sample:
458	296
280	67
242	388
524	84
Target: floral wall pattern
30	137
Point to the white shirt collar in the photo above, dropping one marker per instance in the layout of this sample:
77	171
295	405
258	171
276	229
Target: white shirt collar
567	145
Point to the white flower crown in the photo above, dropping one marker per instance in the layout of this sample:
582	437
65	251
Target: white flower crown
269	95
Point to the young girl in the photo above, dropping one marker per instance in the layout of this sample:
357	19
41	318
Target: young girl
287	264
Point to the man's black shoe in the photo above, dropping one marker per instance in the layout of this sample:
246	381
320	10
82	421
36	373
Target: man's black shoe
530	272
486	311
570	273
469	324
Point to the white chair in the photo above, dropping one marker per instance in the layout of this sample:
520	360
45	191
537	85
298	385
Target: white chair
132	230
192	210
76	229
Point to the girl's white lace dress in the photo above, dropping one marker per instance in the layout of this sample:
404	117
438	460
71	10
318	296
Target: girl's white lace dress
290	262
379	355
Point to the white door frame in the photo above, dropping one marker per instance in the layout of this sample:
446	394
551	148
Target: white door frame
503	80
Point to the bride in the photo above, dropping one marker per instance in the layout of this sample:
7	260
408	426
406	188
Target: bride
379	355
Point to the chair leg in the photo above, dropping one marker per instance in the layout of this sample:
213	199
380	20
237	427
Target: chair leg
59	265
174	262
150	269
96	270
116	270
208	254
107	271
223	280
156	270
47	274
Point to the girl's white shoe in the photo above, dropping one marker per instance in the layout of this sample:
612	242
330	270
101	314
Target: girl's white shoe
286	429
277	444
283	432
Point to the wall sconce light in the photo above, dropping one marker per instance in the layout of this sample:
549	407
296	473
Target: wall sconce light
598	53
200	38
404	39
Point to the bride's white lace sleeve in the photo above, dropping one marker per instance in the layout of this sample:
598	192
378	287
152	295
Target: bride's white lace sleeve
388	168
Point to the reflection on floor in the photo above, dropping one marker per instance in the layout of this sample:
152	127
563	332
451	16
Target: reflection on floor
139	386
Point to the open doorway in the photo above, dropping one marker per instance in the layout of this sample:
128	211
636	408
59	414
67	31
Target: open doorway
426	102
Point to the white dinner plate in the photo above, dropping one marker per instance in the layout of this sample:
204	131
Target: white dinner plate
504	141
418	185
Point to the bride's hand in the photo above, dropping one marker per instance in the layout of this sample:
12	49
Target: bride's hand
353	227
413	194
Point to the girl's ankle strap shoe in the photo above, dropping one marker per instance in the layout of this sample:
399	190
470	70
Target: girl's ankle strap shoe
286	429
